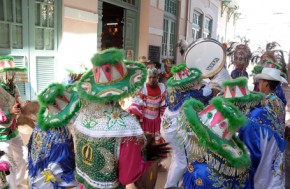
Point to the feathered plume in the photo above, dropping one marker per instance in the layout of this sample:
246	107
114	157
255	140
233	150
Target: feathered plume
231	49
272	45
182	45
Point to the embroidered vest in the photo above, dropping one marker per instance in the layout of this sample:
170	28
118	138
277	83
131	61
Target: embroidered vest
97	161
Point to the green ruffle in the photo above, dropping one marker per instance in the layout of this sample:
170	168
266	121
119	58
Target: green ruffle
208	140
87	185
6	58
257	69
230	112
240	81
253	97
111	56
118	85
190	80
178	68
47	97
16	69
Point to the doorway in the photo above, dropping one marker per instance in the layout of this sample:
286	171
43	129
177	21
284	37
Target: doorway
113	26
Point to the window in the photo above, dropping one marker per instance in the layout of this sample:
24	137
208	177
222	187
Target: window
171	7
169	29
164	38
11	24
29	32
132	2
207	27
196	25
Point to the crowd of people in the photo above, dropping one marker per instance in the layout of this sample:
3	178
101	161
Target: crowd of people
85	138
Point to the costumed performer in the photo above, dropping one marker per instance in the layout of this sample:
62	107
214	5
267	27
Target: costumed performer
51	158
166	74
10	106
241	58
109	140
217	158
4	170
149	104
269	63
237	92
264	134
183	85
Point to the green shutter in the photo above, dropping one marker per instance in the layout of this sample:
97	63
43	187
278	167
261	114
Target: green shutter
44	72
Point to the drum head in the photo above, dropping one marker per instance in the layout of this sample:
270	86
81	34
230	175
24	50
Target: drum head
208	55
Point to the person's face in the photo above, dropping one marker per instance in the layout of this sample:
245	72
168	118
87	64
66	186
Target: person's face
263	86
167	69
152	81
240	67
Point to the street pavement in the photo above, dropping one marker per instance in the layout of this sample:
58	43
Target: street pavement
26	131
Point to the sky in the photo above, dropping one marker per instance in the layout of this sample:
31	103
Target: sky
264	21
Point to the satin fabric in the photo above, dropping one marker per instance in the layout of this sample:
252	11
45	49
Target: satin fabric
52	150
266	149
203	176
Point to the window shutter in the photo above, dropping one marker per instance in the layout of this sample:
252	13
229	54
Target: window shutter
44	72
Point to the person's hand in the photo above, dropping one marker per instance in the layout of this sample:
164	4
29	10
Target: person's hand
152	151
15	110
24	104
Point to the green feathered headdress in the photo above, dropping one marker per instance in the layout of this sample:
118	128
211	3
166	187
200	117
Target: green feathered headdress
183	78
237	92
204	128
111	56
58	104
111	78
7	64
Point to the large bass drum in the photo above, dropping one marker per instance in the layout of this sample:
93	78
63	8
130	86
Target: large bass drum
206	54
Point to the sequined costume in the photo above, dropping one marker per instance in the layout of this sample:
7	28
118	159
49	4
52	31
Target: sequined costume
51	159
217	158
179	89
264	139
10	140
108	145
51	162
108	140
149	106
4	170
263	135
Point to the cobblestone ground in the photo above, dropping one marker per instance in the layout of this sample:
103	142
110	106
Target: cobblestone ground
25	132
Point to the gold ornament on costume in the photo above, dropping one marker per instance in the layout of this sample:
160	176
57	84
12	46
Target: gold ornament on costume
87	154
190	168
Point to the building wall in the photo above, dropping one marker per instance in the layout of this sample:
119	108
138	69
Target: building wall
79	34
80	27
208	8
151	25
226	30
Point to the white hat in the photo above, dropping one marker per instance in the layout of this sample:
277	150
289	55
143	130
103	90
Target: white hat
271	74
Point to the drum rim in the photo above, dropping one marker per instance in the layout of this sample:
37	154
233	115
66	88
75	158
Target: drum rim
202	40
